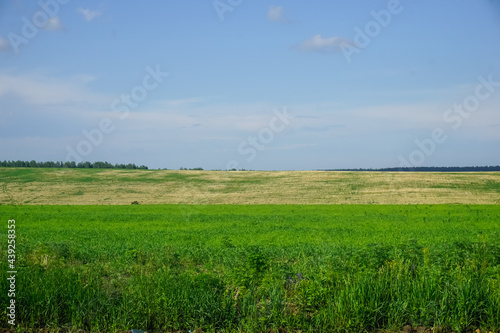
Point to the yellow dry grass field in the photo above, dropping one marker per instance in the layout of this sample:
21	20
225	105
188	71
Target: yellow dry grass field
121	187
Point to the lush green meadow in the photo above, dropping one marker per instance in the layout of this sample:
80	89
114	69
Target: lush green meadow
256	268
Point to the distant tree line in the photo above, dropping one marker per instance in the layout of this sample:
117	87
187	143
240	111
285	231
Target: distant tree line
81	165
429	169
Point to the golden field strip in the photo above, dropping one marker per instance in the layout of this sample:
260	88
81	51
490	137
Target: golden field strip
33	186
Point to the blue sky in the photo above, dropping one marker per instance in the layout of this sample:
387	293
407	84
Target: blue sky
265	85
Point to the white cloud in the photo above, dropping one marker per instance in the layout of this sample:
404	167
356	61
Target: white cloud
214	119
322	44
177	103
54	24
39	89
276	14
85	78
4	44
292	146
88	14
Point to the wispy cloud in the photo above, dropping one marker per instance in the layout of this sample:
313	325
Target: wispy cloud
4	44
292	146
306	117
176	103
319	128
322	44
54	24
88	14
38	89
276	14
193	126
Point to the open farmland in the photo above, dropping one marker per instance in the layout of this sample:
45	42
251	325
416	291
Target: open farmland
326	253
31	186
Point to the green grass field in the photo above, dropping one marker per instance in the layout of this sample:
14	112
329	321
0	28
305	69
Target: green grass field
256	268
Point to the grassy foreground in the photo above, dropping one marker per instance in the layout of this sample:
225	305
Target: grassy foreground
340	268
32	186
